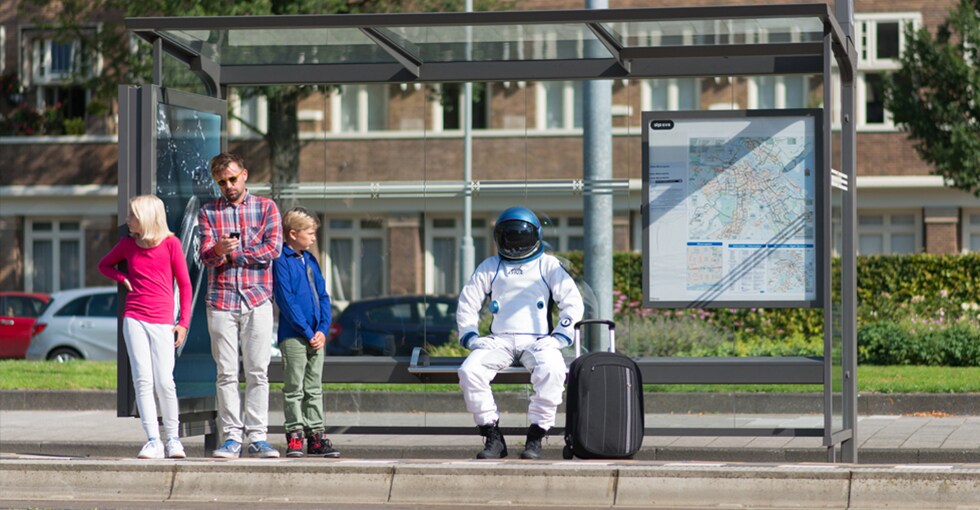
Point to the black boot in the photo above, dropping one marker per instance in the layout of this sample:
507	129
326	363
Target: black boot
294	443
495	448
532	447
318	444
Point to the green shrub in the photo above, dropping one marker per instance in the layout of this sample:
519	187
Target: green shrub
448	349
665	336
890	287
961	346
75	126
917	341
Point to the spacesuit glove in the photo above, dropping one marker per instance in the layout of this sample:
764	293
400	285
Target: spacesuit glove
547	342
483	342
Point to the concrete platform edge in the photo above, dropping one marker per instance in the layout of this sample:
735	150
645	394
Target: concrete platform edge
613	484
195	449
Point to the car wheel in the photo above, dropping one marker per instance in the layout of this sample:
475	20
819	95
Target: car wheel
64	354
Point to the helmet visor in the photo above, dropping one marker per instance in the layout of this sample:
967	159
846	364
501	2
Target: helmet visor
516	239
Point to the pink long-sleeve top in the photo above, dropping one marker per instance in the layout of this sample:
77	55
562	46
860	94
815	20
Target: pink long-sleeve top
151	272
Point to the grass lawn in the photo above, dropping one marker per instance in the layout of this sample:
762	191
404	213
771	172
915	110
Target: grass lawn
101	375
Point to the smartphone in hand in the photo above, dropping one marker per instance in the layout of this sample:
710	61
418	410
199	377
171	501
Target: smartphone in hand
234	235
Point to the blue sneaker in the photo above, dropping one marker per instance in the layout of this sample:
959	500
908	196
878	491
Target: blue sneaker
263	450
230	450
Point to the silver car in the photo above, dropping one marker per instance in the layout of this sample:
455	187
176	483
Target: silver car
77	324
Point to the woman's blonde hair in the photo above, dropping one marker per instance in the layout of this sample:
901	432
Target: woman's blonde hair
298	218
149	211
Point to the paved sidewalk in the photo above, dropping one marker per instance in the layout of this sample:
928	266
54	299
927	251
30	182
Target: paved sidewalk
882	439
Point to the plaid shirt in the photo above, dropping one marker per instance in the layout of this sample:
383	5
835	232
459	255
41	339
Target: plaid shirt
248	275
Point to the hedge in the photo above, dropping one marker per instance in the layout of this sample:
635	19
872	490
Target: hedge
912	309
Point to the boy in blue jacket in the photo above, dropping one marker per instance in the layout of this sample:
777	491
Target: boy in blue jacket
304	321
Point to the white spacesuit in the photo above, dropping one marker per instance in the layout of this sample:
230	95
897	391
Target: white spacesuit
520	284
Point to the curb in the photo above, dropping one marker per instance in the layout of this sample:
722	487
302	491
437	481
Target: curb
957	404
551	451
570	484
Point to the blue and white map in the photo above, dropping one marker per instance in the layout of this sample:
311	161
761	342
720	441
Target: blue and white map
749	188
732	210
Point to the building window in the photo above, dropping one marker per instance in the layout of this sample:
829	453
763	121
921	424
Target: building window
250	116
564	233
888	232
971	230
769	92
355	258
54	255
880	44
360	108
448	110
53	61
670	94
55	66
559	105
443	239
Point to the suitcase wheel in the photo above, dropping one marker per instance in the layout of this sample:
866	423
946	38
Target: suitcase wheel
566	452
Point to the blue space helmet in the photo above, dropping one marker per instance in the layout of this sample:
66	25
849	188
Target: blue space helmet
518	234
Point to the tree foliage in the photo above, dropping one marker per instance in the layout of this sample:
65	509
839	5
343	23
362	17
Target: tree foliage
935	96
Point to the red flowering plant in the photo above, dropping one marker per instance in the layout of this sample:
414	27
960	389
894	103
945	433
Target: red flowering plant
25	120
9	85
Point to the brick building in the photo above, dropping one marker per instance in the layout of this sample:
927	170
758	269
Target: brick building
374	159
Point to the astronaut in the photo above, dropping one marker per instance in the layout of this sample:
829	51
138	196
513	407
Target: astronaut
520	284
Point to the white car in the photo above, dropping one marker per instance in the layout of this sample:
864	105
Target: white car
77	324
82	324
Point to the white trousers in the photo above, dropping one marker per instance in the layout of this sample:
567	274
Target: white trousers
151	358
248	331
547	369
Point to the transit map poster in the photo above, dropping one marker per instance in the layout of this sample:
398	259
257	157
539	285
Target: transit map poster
733	214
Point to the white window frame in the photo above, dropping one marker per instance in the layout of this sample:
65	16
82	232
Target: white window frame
563	230
259	119
438	110
865	34
456	233
56	236
969	231
887	229
356	234
41	72
673	93
568	102
780	93
363	98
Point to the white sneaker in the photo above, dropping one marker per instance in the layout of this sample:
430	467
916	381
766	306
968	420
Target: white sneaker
175	450
153	449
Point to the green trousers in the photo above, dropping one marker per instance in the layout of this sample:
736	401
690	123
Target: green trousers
302	390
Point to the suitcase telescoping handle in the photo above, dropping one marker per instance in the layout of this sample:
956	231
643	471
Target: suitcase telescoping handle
578	334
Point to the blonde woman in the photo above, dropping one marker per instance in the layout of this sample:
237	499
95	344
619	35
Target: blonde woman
154	260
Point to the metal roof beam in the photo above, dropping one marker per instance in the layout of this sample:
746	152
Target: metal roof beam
396	47
533	70
611	43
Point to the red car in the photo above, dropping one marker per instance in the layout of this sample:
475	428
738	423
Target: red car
18	311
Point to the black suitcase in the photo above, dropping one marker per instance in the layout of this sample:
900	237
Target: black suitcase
604	407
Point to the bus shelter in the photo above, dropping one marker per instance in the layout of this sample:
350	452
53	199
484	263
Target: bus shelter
394	216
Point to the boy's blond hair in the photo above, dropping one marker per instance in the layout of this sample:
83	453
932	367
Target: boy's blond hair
298	218
149	211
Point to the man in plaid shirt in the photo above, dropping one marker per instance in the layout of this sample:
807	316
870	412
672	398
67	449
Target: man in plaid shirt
241	234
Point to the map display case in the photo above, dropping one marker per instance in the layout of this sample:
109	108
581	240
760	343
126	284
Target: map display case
733	209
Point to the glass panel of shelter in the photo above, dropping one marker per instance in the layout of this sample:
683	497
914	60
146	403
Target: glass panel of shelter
385	199
390	203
